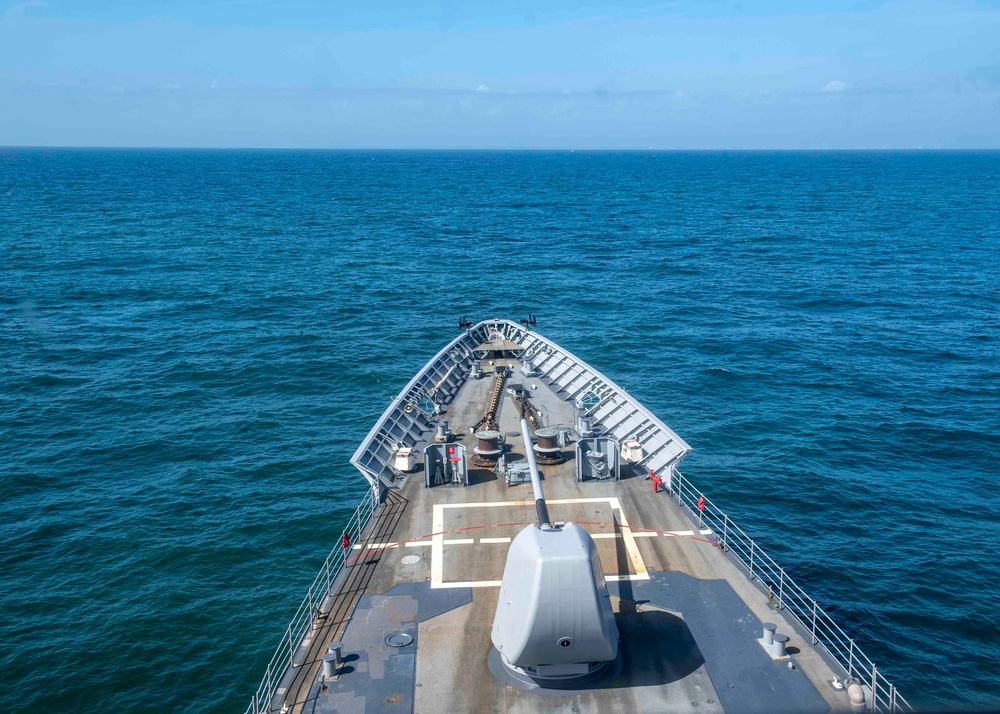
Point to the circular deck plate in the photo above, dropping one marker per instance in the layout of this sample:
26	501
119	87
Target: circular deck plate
409	559
399	639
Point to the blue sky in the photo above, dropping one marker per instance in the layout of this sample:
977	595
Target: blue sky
456	74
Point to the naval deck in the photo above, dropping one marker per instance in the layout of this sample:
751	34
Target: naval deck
413	603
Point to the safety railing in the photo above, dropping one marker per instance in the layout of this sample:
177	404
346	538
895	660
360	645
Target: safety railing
284	656
790	599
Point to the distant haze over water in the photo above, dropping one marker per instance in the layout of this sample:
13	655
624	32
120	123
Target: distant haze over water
194	342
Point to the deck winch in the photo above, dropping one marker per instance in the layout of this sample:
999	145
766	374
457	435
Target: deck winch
488	448
547	449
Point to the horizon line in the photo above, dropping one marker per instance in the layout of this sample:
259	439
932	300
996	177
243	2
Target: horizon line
154	147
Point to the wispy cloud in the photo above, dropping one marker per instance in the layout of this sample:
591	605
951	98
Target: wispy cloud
988	75
22	9
836	85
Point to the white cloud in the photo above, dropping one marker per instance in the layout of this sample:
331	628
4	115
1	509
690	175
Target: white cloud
482	88
837	85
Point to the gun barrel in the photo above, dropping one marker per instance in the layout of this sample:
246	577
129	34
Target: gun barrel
536	479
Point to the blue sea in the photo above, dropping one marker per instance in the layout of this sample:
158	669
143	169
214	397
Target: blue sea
193	343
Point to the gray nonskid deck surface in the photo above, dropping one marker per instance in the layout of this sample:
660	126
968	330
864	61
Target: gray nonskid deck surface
376	677
673	627
746	679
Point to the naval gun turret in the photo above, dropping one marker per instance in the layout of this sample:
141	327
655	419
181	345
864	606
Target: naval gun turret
554	626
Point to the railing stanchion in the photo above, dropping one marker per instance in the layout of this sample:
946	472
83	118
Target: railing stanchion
850	660
814	640
725	531
751	559
874	689
781	590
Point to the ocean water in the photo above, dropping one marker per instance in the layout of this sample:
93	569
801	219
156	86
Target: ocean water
194	342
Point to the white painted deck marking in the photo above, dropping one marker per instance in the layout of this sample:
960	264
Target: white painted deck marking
438	541
630	576
414	544
437	547
630	547
491	541
469	584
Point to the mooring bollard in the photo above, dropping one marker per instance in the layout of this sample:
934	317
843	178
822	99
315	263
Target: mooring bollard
329	665
769	628
336	648
779	645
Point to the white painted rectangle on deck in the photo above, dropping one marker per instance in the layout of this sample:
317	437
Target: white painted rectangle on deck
438	541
